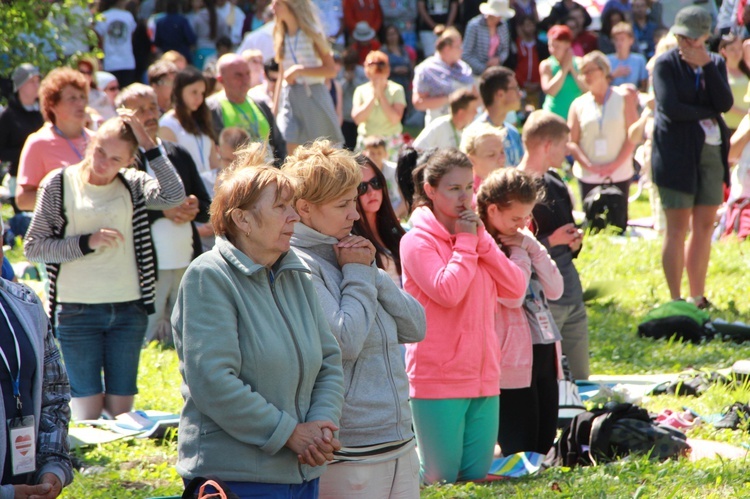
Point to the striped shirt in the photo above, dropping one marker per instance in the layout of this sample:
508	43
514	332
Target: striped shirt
46	242
477	44
300	49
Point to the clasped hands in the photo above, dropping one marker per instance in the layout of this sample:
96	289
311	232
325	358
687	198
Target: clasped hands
186	212
314	443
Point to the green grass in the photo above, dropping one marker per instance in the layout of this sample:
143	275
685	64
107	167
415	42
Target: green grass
629	270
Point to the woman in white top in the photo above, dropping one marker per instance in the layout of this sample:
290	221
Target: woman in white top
116	32
305	108
188	123
599	121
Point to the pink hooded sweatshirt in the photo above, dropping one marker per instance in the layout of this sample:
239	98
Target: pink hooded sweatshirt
457	278
511	323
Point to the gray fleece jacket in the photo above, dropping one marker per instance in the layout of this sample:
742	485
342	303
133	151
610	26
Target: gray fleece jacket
370	316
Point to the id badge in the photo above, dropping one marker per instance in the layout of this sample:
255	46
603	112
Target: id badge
22	444
600	147
545	324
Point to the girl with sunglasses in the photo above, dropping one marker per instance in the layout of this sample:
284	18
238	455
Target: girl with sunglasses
378	222
379	104
370	317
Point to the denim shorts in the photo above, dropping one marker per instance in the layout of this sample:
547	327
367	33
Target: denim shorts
102	336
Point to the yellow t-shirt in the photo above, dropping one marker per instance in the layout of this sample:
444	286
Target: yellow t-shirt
377	123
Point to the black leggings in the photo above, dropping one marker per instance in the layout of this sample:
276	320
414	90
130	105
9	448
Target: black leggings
528	416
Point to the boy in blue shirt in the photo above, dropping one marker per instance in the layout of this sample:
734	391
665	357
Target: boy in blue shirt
627	67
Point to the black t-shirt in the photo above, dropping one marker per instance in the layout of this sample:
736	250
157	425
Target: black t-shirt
28	370
438	11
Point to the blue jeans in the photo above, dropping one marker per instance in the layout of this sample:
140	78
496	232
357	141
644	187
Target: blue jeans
252	490
104	336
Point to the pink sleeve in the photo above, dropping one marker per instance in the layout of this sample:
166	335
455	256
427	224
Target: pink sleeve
510	280
547	271
520	259
30	166
444	283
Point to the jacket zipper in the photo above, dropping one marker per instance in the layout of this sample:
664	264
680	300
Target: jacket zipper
390	375
272	285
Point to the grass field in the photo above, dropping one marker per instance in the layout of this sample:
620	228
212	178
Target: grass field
629	270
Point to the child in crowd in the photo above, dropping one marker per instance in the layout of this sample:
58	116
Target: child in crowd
446	131
529	338
627	67
375	150
531	51
483	144
457	272
545	138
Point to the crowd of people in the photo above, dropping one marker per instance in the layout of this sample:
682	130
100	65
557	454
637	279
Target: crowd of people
356	312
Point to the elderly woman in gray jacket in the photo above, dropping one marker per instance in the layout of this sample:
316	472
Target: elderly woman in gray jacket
261	371
370	316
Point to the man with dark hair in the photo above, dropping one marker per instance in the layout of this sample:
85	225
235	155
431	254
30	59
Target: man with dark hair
161	76
501	94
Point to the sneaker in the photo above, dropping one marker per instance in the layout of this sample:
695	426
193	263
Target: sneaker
733	416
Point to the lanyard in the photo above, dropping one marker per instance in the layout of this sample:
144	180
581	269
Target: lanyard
253	124
604	106
698	73
293	49
199	143
70	142
16	382
455	135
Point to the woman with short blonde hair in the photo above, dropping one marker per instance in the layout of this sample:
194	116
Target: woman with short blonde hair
370	317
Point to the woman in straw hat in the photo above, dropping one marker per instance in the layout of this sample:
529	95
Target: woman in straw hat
487	34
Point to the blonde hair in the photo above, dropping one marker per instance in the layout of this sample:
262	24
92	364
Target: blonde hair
598	58
309	22
322	171
622	28
240	186
542	126
665	44
446	36
474	134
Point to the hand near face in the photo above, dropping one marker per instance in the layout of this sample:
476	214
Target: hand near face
468	222
695	55
129	117
514	240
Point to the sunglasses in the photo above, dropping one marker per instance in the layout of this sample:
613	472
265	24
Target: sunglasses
373	182
378	64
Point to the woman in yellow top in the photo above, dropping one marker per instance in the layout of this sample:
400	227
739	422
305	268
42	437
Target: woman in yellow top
379	105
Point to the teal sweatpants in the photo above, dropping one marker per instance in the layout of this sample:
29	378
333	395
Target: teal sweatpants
455	437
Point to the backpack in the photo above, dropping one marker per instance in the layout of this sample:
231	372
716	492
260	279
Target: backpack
676	318
599	205
738	219
607	434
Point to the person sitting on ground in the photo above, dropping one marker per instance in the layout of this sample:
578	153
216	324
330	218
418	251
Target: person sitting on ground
584	41
370	317
91	229
531	51
530	360
501	95
364	41
546	137
374	148
446	131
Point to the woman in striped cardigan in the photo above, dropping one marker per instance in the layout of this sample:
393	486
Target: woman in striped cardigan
90	228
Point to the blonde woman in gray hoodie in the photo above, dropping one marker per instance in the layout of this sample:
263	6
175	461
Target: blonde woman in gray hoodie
370	316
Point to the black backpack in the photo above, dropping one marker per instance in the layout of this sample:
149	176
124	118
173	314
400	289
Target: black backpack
607	434
600	204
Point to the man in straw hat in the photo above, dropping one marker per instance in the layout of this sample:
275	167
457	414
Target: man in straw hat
691	146
487	42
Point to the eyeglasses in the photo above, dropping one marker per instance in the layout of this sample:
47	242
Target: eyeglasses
373	182
378	64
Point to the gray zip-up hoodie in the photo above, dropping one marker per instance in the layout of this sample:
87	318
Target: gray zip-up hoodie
370	316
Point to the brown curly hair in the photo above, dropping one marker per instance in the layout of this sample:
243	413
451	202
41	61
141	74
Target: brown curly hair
50	91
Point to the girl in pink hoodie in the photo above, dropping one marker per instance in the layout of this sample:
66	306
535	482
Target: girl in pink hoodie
456	271
529	338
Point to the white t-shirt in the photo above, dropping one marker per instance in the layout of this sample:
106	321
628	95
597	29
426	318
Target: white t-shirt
439	133
235	19
199	146
116	31
173	242
260	39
